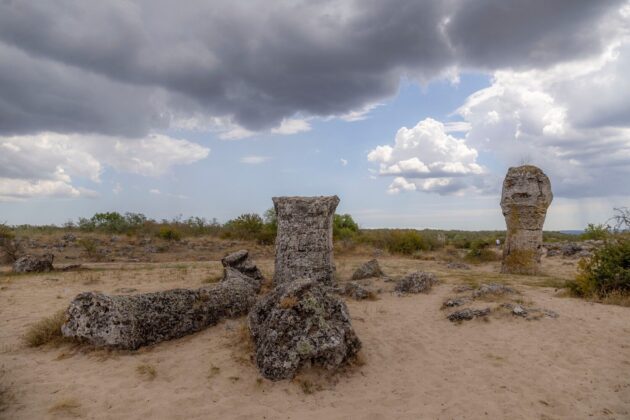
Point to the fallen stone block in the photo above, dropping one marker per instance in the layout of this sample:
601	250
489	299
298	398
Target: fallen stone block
240	261
131	321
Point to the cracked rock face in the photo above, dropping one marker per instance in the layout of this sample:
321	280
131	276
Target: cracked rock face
525	198
34	264
304	245
131	321
300	324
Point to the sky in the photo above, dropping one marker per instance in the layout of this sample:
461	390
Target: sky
410	111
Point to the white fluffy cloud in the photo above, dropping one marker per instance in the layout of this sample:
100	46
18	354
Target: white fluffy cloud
45	164
427	158
571	120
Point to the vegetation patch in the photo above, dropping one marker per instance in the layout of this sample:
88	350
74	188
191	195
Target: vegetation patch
46	331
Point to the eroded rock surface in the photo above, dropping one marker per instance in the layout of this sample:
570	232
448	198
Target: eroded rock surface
132	321
241	262
34	264
468	314
525	198
357	291
418	282
367	270
304	245
299	324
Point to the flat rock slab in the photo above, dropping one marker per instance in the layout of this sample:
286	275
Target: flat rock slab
301	324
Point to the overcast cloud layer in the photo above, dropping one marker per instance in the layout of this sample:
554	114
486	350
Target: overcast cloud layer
90	85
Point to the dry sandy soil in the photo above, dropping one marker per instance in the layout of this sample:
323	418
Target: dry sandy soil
415	364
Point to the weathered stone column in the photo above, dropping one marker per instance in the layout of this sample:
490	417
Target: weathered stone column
525	198
304	245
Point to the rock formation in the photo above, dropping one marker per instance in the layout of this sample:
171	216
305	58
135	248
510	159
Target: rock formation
34	264
418	282
132	321
367	270
304	246
525	198
300	324
241	262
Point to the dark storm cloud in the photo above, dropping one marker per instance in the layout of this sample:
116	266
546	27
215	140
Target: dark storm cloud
124	68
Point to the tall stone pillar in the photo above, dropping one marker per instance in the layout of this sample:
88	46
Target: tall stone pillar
304	245
525	198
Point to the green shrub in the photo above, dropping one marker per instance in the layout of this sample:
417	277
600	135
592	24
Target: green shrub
405	242
606	272
481	252
245	226
596	232
168	233
344	227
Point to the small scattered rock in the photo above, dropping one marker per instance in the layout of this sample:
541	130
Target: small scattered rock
125	290
418	282
456	265
240	261
450	303
462	288
356	291
367	270
300	324
468	314
492	289
34	264
71	267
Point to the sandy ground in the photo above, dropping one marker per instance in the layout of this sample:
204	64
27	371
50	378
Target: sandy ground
416	364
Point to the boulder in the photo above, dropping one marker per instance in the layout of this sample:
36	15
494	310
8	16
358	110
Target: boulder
131	321
525	198
367	270
468	314
240	261
418	282
304	243
300	324
34	264
356	291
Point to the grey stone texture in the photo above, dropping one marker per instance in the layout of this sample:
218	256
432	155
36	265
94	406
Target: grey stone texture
241	262
367	270
131	321
417	282
304	245
301	324
525	198
34	264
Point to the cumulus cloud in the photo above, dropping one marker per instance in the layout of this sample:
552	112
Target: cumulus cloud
427	158
571	120
45	164
116	68
343	162
292	126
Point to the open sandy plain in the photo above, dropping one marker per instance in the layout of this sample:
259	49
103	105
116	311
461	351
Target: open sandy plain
415	364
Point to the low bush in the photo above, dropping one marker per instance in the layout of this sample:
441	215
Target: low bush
606	272
169	234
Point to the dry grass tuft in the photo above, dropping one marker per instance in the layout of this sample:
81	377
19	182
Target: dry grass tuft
146	371
46	331
68	407
242	345
288	302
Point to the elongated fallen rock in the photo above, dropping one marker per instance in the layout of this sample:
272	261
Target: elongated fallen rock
133	321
